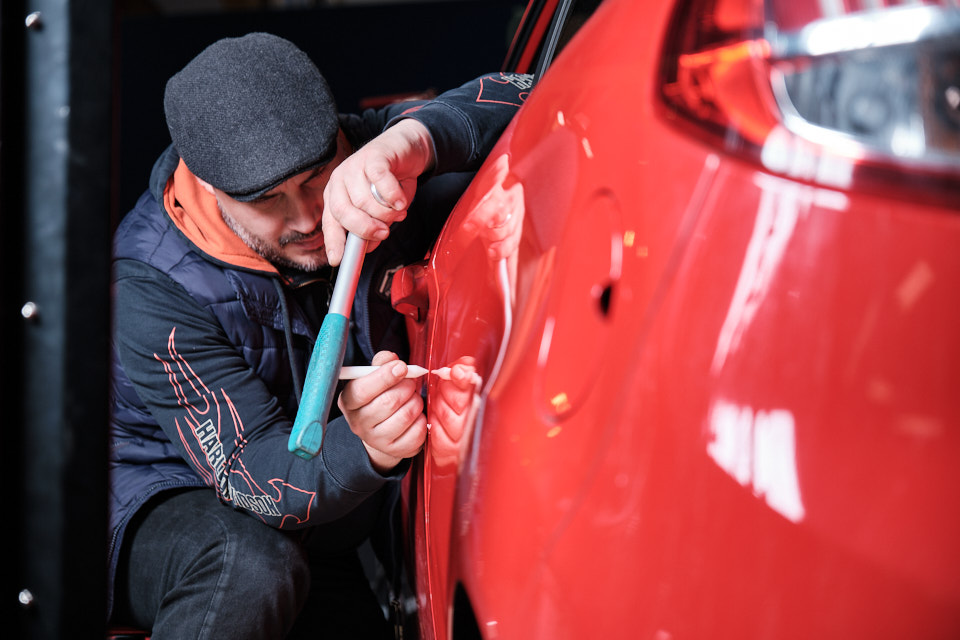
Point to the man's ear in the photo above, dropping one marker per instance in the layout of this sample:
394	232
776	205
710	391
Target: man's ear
206	185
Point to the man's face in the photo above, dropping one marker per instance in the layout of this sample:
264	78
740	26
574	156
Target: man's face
283	225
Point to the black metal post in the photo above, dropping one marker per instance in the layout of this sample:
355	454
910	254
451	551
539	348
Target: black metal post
56	61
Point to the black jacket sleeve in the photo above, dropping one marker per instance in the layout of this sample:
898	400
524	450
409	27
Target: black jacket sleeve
464	122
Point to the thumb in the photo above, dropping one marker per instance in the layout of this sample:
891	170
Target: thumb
334	239
409	188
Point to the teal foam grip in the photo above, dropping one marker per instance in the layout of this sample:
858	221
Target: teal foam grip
323	373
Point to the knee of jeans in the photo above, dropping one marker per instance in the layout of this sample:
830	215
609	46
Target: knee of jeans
263	560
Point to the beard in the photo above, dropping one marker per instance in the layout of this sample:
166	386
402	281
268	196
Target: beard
274	253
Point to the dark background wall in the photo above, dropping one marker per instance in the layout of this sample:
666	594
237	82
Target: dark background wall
81	122
365	52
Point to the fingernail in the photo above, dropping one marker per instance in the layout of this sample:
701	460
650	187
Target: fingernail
399	369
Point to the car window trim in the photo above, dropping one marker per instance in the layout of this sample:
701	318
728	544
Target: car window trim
553	37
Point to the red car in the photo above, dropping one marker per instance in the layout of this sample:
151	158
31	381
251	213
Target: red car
710	282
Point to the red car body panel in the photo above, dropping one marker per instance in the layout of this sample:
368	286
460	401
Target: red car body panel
717	401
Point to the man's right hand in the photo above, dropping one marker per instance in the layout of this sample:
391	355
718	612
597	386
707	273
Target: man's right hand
385	410
391	162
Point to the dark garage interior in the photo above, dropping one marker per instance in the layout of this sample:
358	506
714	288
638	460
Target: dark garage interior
80	125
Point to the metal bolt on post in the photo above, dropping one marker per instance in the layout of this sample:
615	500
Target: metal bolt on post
34	21
30	311
25	597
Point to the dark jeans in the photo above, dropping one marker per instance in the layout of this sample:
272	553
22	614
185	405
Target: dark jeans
193	568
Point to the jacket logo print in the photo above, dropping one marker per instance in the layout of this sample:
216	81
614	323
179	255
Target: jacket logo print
202	436
522	81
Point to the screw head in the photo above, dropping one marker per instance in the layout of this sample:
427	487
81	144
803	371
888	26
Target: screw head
29	311
25	597
34	20
953	97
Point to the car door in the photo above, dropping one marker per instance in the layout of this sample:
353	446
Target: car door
431	295
707	282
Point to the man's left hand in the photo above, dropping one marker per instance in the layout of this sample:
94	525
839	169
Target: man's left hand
385	410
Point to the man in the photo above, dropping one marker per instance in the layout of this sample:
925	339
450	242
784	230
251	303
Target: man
221	279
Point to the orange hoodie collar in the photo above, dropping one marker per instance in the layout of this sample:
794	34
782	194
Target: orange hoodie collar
195	212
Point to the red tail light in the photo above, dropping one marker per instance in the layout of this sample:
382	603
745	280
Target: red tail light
844	93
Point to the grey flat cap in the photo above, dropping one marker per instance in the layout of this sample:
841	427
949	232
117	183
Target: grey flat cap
247	113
